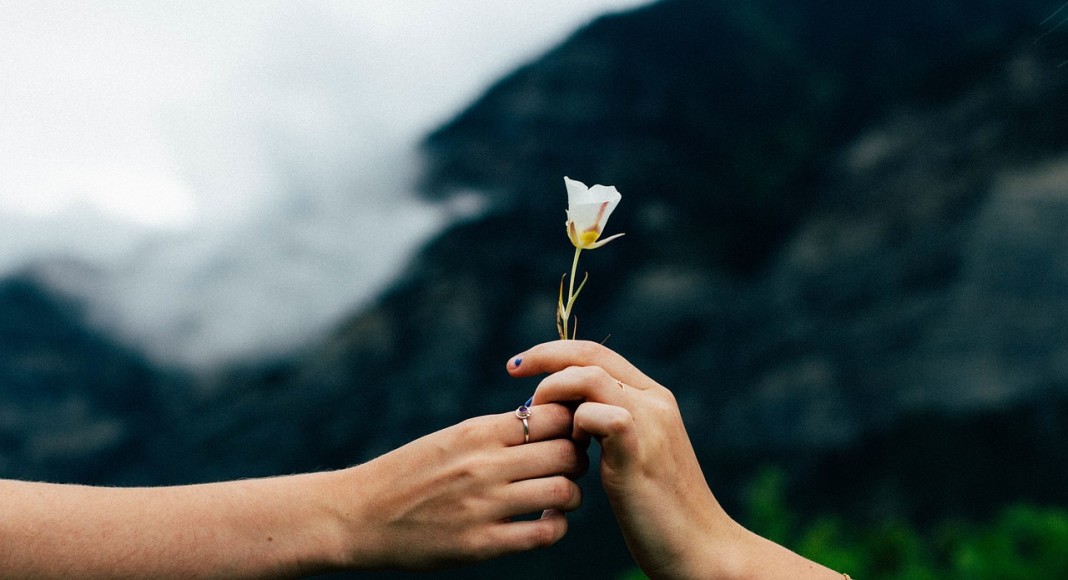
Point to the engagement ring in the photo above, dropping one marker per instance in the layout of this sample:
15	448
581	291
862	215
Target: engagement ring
523	412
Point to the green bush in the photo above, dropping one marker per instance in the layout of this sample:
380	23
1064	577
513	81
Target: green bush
1020	542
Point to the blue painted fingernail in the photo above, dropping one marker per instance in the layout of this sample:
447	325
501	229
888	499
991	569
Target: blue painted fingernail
518	361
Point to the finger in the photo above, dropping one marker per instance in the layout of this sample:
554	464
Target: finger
617	433
551	357
545	458
614	427
581	384
544	422
520	536
534	495
605	421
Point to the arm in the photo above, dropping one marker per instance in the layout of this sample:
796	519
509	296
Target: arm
672	523
441	500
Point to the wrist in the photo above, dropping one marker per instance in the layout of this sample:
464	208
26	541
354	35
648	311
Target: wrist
309	524
729	555
741	554
700	541
351	540
722	549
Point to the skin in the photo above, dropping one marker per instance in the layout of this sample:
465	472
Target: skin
672	522
442	500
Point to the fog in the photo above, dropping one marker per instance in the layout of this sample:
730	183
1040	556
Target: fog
221	181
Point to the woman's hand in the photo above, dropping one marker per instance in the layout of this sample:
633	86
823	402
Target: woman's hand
441	500
449	497
648	466
673	525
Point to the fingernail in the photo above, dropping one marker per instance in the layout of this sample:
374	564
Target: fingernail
518	361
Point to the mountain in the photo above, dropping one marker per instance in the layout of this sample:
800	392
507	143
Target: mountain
844	254
74	405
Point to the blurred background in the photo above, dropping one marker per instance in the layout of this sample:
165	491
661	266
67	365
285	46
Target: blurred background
255	238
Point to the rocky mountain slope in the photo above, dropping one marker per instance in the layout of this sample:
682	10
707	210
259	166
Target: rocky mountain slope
73	405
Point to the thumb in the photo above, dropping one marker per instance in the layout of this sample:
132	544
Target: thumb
614	428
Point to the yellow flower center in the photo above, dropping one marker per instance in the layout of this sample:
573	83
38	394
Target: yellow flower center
589	236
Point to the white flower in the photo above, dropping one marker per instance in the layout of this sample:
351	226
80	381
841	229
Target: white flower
588	209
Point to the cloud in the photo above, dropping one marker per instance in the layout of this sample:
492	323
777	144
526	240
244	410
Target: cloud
237	174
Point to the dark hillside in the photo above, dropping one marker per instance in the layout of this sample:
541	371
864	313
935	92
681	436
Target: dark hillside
845	253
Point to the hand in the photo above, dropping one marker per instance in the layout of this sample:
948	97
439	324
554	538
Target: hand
672	523
448	498
648	467
444	499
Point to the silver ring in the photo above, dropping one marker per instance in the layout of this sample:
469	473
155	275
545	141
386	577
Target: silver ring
523	412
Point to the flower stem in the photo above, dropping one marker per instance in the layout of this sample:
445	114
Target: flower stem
571	282
565	314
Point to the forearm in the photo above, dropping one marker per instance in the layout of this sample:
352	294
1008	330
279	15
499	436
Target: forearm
747	555
274	527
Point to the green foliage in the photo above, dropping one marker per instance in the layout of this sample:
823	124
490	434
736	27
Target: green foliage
1024	542
1020	542
635	574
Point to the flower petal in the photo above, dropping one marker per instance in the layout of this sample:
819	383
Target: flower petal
585	216
578	193
589	208
572	233
600	243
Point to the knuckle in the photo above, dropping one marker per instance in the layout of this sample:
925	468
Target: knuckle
564	493
667	397
663	401
662	405
547	532
573	372
558	414
619	421
562	454
595	374
587	350
576	461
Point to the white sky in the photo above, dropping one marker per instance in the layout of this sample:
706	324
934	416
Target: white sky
157	141
104	102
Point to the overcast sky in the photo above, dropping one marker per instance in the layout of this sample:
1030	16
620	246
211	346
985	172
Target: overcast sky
190	150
